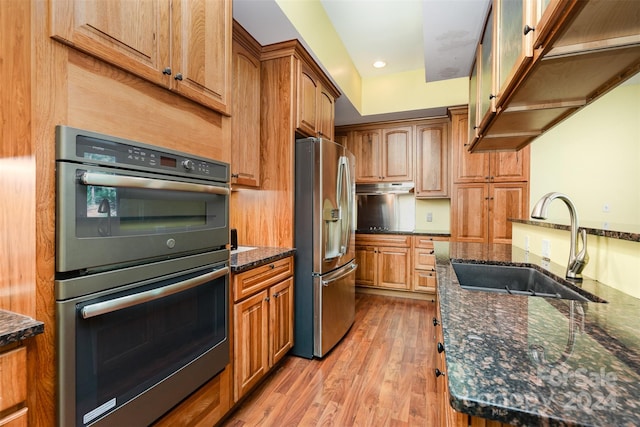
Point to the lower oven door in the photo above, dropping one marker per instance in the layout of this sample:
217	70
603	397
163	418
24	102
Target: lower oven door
128	355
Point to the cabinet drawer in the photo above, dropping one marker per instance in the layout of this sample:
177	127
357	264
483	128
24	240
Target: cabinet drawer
427	241
256	279
424	259
424	281
13	377
393	240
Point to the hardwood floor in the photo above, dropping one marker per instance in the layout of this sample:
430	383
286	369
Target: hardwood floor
381	374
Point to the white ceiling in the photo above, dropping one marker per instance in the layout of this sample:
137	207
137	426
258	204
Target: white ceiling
438	36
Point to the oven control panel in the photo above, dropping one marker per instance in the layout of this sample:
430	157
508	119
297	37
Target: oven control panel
89	147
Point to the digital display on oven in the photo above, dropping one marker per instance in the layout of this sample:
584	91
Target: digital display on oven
168	161
100	157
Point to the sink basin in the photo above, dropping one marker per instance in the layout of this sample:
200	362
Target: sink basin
515	280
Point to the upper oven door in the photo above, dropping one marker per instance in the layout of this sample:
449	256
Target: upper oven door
107	217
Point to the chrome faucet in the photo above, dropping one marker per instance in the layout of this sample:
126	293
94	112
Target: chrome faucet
577	261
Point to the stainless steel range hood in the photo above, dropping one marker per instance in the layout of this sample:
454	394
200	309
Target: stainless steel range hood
385	188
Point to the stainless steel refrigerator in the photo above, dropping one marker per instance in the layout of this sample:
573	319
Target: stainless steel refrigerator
325	267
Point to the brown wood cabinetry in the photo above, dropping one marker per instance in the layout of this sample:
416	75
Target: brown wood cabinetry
183	45
432	159
315	104
384	261
424	264
488	189
262	321
245	119
384	152
13	387
559	57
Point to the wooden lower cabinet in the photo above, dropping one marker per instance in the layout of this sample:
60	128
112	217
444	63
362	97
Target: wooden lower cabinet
13	387
424	264
262	322
449	417
384	261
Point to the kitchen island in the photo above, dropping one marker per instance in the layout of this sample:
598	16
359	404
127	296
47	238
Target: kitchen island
527	360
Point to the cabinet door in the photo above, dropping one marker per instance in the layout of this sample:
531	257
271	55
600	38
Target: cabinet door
15	419
366	148
394	268
13	388
281	320
133	35
245	119
424	281
510	165
508	200
251	323
513	44
308	89
201	51
486	91
366	260
473	121
468	167
469	213
327	112
397	154
432	160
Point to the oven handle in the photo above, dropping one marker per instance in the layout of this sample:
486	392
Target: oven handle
116	304
101	179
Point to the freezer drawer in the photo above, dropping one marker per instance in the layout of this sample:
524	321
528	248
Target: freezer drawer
334	311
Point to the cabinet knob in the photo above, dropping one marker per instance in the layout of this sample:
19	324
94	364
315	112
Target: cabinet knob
272	266
435	322
276	295
439	373
528	29
267	299
178	76
440	347
491	96
167	71
234	175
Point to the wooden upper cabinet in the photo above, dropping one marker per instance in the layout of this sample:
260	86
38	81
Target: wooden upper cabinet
245	119
201	51
308	88
183	45
486	82
566	55
432	159
326	110
316	105
396	155
365	145
513	44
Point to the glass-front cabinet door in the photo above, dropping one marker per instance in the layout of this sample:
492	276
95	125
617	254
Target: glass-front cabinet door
513	44
486	101
545	14
473	102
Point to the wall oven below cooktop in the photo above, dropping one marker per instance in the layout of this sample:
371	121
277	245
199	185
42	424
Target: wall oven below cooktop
142	277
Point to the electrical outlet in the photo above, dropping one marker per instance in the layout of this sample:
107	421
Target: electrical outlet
606	208
429	216
546	248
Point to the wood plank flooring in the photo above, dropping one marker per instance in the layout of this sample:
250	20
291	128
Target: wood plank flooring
381	374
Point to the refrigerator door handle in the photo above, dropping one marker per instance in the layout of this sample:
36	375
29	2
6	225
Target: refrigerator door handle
340	274
344	182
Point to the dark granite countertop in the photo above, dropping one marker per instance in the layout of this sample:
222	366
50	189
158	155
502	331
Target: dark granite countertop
614	231
528	360
16	327
434	233
261	255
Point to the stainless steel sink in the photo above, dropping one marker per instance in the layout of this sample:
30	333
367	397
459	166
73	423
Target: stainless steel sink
516	280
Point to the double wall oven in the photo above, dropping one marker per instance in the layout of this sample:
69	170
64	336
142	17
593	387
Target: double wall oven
142	277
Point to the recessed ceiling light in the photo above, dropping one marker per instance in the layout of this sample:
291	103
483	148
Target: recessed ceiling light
379	64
